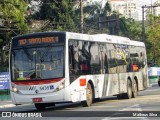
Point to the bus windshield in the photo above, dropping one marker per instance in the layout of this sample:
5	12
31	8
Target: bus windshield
37	63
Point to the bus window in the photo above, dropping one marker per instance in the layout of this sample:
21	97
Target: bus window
38	63
79	57
135	67
71	58
106	63
138	60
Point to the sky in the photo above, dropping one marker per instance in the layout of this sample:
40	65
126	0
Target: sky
146	2
141	3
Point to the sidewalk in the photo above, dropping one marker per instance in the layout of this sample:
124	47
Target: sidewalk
153	84
6	104
5	101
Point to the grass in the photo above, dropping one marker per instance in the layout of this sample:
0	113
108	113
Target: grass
4	95
4	92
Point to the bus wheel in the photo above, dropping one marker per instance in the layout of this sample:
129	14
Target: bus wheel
135	89
96	100
128	95
120	96
159	82
40	106
89	96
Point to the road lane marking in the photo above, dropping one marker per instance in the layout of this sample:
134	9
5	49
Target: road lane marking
135	107
125	118
151	90
102	106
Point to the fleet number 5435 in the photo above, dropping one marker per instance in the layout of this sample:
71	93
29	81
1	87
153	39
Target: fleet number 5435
44	88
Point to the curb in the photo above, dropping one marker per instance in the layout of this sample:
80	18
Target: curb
7	106
153	85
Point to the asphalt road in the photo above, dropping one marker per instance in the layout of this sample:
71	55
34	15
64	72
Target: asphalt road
145	107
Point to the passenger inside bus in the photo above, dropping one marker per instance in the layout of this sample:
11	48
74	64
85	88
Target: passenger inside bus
135	67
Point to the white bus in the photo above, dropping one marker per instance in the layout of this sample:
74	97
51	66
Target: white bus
54	67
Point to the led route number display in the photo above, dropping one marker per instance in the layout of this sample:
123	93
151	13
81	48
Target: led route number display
42	40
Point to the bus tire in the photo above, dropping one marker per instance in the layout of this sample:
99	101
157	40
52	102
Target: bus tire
128	95
89	96
135	89
159	82
40	106
120	96
96	100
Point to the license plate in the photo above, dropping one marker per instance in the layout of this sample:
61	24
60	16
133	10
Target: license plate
37	100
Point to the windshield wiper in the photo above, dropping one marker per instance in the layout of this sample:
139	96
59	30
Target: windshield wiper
28	54
45	53
30	74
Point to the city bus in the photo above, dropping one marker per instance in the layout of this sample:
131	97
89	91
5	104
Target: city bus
48	68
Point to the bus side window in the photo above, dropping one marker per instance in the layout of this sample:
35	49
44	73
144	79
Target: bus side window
71	59
135	67
112	62
106	63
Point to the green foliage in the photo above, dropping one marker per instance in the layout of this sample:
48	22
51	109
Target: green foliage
64	16
13	15
130	28
153	38
60	13
91	14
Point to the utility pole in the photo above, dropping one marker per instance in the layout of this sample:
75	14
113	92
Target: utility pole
81	8
151	7
143	27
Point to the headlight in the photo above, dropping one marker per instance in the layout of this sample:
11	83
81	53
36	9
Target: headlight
14	89
60	87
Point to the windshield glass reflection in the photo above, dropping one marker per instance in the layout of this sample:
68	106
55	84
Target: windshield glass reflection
37	63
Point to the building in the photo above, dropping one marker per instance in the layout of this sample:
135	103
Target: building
156	10
128	8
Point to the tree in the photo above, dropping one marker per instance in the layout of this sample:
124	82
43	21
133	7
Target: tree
91	16
99	11
153	38
60	13
130	28
12	14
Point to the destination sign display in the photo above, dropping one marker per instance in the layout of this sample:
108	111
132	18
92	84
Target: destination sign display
41	40
34	39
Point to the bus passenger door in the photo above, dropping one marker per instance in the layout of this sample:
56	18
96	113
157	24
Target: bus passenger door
123	65
102	70
111	77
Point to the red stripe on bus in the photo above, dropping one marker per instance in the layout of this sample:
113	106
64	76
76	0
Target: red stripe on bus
39	82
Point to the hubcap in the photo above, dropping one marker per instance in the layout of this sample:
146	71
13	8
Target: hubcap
89	94
135	88
129	90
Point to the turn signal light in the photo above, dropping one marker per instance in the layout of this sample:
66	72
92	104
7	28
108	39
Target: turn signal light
82	82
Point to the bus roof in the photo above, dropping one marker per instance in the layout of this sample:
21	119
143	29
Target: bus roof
95	37
104	38
137	43
117	39
112	38
79	36
37	33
